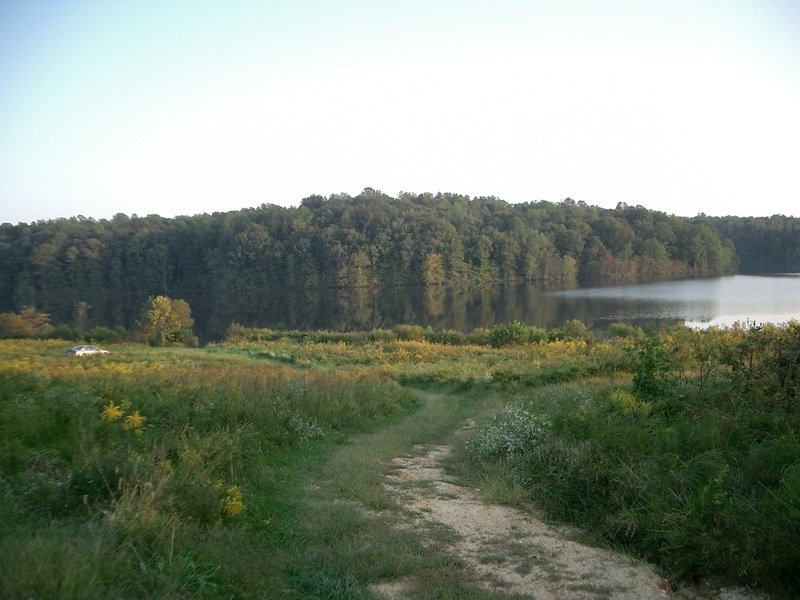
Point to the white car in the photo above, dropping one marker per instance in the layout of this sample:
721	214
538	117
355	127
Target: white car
85	351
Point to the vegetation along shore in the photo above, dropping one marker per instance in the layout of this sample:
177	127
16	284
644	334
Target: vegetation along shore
228	266
269	465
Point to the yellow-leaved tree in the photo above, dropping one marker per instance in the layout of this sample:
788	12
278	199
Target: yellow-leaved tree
166	321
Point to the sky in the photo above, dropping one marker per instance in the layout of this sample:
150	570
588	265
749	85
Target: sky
176	107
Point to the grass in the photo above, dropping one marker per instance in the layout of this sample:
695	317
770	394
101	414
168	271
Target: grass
694	469
254	468
206	473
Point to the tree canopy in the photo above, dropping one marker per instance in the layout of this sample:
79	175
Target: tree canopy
89	273
165	321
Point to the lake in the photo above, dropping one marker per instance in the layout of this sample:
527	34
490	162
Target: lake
693	302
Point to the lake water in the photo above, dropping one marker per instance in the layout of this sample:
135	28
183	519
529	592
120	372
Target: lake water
693	302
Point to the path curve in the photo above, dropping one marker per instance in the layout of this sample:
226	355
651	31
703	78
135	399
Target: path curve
510	551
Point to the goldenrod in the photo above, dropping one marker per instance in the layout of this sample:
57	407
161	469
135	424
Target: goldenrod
112	412
232	504
134	422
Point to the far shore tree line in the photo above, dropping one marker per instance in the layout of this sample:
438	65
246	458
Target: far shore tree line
92	274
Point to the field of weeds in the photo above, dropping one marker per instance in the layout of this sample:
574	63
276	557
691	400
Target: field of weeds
252	468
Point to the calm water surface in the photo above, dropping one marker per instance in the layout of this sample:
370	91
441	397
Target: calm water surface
696	302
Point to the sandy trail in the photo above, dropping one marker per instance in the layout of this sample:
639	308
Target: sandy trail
510	551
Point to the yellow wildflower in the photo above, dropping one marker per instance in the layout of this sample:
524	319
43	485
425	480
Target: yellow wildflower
628	403
112	412
232	504
134	422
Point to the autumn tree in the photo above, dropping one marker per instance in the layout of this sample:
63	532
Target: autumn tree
166	321
28	322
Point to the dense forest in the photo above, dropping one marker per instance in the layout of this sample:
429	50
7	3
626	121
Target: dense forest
89	272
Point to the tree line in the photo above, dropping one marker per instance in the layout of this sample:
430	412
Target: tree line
88	272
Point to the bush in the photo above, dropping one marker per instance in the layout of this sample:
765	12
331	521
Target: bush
381	335
447	336
514	431
64	332
185	337
698	474
409	332
623	330
574	329
104	335
516	333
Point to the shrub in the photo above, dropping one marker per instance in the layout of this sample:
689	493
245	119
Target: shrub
64	332
573	329
381	335
514	431
104	335
447	336
409	332
185	337
516	333
623	330
651	369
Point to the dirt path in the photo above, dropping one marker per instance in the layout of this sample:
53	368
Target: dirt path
508	550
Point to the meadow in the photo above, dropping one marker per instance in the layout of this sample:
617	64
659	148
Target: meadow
253	467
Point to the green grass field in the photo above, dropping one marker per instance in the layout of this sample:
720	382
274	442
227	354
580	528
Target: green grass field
253	468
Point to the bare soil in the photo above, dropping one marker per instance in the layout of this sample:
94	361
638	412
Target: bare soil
510	551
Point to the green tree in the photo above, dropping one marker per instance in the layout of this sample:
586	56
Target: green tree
81	315
655	258
183	313
432	270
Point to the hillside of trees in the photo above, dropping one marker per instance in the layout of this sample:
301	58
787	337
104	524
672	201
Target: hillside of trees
763	244
226	263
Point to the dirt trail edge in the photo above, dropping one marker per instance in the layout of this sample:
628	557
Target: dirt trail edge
510	551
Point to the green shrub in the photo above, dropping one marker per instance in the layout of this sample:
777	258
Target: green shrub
104	335
514	431
447	336
623	330
381	335
185	337
64	332
699	474
573	329
409	332
516	333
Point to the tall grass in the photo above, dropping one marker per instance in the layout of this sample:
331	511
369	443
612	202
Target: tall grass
155	474
253	468
693	462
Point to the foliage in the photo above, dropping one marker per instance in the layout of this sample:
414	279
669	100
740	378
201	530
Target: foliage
89	273
650	369
763	244
513	432
691	464
29	322
175	472
516	333
166	321
154	472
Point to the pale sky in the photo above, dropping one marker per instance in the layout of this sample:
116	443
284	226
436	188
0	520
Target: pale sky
175	107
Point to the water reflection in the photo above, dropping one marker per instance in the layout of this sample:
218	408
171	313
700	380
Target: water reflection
696	302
